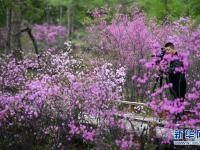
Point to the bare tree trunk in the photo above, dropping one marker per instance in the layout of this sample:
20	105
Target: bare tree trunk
16	27
69	22
61	14
29	31
188	9
47	14
9	25
33	41
166	7
72	20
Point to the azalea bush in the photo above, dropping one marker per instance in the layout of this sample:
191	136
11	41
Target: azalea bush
135	39
50	36
59	103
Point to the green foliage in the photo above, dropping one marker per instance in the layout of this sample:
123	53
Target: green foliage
174	9
34	11
59	2
194	8
80	8
4	6
177	9
154	8
31	10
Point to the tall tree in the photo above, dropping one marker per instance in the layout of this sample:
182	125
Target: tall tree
16	27
77	10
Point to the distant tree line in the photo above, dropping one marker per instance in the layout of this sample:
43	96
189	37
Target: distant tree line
18	15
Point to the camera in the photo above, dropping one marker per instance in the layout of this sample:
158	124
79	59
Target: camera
162	53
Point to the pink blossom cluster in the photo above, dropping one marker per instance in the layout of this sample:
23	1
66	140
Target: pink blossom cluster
63	102
49	34
134	39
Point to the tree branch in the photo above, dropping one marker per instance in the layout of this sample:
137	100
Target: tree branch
29	31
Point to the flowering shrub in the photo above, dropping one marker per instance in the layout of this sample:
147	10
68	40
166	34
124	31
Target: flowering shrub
63	104
135	39
160	100
12	74
49	34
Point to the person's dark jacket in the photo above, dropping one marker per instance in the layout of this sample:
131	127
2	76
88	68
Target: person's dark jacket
177	79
